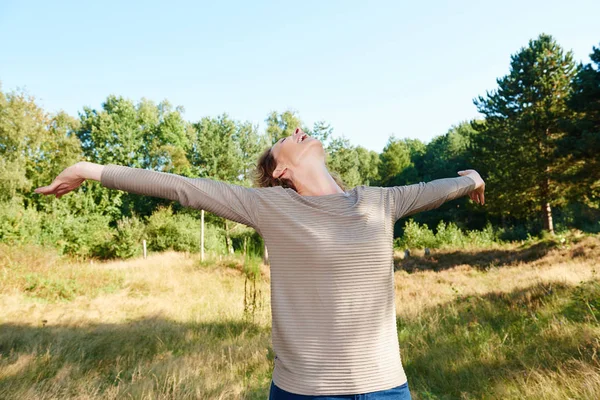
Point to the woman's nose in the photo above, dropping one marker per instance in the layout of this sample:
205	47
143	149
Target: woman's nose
297	132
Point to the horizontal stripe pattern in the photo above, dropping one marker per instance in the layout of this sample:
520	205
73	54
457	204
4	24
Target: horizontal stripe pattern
332	278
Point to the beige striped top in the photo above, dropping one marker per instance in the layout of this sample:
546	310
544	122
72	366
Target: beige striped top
332	278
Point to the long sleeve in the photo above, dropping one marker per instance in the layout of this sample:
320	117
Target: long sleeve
234	202
411	199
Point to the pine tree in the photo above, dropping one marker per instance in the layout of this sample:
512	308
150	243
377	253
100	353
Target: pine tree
523	129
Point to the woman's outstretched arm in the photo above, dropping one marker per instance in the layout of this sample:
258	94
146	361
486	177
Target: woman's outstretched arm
234	202
411	199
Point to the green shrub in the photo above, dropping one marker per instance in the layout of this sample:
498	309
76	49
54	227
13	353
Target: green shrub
18	225
485	237
416	236
77	235
181	232
127	239
447	235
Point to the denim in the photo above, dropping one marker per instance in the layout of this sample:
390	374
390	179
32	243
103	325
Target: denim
401	392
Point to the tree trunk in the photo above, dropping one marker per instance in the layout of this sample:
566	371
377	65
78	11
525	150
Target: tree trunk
547	210
548	218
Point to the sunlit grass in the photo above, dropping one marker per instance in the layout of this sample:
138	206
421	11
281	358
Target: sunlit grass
513	322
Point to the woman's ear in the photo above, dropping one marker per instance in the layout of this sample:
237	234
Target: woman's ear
279	171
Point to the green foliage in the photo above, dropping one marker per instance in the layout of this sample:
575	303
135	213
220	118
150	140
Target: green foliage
343	159
181	232
284	124
515	148
416	236
537	146
447	235
582	144
142	135
368	165
127	239
78	235
33	145
395	158
18	225
447	154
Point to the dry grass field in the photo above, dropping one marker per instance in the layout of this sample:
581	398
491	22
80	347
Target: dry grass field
517	321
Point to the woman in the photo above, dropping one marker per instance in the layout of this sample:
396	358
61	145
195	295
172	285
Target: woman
331	257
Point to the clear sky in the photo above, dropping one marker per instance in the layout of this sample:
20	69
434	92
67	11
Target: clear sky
369	68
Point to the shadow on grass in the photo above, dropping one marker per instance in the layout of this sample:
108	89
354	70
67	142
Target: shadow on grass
475	346
481	259
156	356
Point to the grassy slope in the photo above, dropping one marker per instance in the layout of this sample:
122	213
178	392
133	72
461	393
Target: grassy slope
502	323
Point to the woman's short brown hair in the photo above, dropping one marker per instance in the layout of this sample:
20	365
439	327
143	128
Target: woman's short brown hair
262	175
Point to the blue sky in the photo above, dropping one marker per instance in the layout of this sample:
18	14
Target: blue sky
370	69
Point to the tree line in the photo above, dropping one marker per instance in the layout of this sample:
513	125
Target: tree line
536	147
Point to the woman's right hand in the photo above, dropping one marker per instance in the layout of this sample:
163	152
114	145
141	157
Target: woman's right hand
69	179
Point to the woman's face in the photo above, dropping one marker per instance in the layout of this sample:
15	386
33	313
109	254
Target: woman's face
295	151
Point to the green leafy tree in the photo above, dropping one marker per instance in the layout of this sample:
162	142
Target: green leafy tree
284	124
224	151
22	133
343	159
394	159
368	165
522	130
446	154
34	148
321	131
251	144
143	135
580	149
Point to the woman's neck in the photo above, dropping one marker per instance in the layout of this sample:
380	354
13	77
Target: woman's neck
315	181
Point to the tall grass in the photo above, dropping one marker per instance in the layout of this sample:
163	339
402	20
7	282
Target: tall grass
512	322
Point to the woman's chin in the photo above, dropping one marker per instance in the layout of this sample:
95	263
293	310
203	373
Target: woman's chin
312	142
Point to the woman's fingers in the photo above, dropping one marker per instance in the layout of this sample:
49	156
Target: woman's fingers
57	188
48	189
477	197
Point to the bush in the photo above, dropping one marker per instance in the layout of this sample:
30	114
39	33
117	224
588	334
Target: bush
18	225
77	235
127	239
181	232
485	237
416	236
515	233
447	235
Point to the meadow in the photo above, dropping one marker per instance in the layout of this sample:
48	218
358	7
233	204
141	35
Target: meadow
510	321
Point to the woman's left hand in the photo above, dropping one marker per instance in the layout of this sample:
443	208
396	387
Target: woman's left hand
476	195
